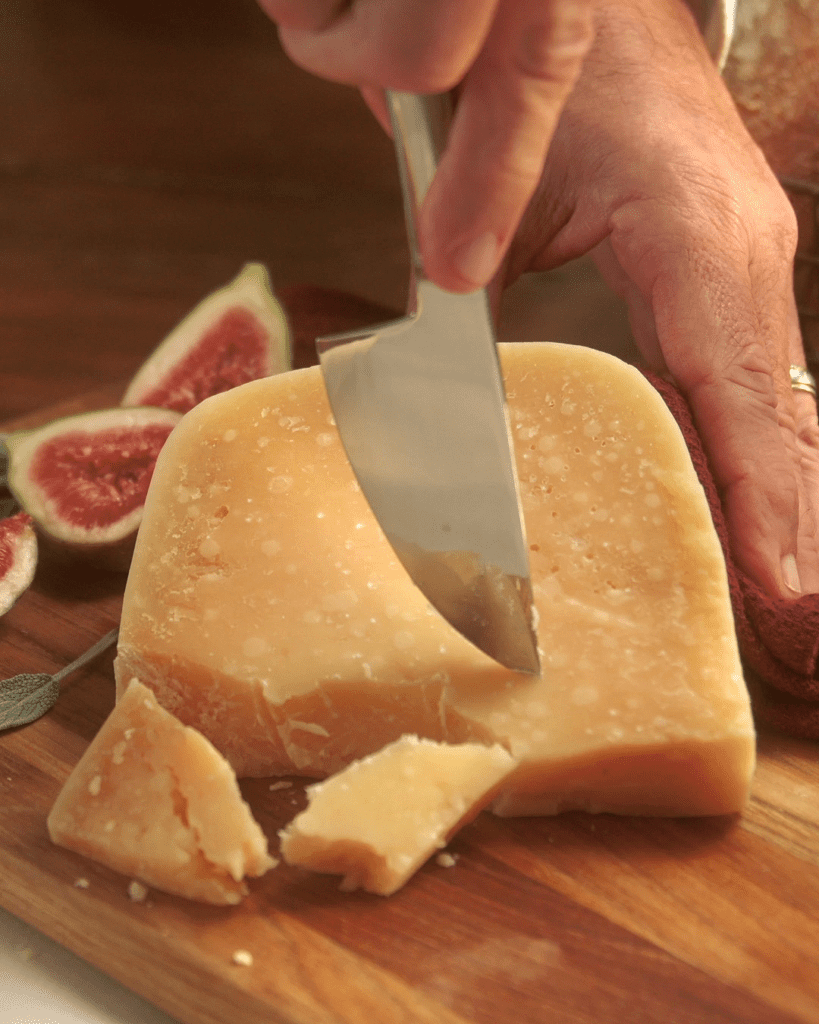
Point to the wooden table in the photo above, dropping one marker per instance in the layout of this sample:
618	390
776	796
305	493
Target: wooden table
148	148
151	149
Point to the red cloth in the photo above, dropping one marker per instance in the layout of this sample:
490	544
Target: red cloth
778	639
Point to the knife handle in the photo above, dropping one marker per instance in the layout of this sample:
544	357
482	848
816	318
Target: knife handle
420	125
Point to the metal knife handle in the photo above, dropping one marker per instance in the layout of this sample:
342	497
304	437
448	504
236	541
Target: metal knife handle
420	125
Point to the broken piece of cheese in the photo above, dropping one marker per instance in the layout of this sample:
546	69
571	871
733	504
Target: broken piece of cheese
265	607
379	819
153	799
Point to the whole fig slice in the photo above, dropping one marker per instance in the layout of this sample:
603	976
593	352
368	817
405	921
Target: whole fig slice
234	335
18	557
83	479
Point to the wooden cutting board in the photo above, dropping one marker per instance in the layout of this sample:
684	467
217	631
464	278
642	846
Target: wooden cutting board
582	919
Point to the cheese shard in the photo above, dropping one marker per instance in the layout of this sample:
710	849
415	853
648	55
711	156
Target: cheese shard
379	819
153	799
265	607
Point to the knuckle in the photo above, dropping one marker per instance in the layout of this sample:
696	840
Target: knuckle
750	368
807	428
782	229
512	162
736	363
759	220
552	49
729	194
430	67
312	17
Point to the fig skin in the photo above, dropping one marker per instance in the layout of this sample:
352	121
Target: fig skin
189	365
18	558
174	367
94	528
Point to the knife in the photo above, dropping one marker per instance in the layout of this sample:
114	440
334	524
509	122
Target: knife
420	408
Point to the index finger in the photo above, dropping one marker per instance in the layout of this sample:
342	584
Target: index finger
508	108
412	45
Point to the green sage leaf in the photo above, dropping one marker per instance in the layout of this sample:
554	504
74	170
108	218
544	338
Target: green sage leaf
27	697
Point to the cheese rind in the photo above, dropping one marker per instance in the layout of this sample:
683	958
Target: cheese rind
265	607
379	819
155	800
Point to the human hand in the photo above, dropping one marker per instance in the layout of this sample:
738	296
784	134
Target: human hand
652	171
513	63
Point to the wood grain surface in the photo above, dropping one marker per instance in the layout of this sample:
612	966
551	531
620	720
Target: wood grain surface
147	150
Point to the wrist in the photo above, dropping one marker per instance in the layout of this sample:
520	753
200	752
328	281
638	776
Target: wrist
713	19
652	38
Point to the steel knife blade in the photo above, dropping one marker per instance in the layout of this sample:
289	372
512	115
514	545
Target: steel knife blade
420	407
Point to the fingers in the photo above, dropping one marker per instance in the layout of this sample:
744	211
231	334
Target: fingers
411	45
309	16
508	108
736	410
807	448
727	325
514	63
771	273
745	439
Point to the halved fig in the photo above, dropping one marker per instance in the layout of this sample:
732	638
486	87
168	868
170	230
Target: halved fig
83	479
236	334
18	557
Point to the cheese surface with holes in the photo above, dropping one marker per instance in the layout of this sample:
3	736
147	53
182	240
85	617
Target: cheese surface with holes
379	819
265	607
154	800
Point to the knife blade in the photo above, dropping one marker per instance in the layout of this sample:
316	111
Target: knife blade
420	408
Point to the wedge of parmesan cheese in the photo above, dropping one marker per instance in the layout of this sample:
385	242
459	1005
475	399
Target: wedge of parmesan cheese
265	607
378	820
154	800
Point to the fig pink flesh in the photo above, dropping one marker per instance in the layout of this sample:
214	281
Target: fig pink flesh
10	530
232	352
96	478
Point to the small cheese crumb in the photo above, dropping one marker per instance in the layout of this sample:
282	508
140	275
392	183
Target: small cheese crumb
311	727
137	892
283	784
95	785
447	860
243	958
81	883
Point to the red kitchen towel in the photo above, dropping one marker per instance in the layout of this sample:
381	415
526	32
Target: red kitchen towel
778	639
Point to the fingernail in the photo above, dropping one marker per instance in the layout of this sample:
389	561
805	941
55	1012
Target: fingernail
790	574
477	260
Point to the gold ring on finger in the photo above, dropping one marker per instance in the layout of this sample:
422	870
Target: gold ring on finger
803	380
